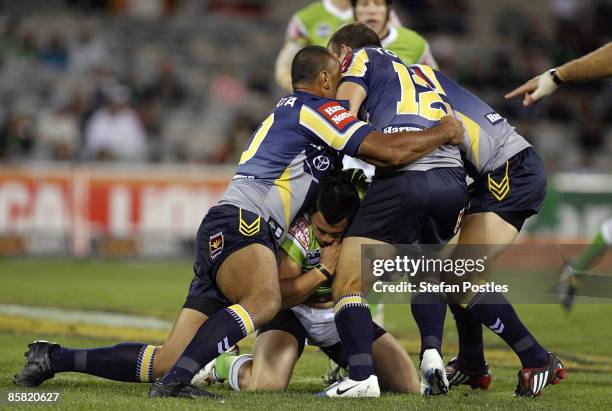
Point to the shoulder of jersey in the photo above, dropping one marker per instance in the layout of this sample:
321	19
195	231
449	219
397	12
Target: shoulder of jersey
405	34
300	230
361	54
311	13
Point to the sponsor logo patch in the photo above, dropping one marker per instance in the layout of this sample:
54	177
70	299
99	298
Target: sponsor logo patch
215	244
324	30
300	230
321	163
337	115
494	118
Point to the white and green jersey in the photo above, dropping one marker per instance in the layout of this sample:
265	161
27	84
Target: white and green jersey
304	249
302	246
409	46
314	24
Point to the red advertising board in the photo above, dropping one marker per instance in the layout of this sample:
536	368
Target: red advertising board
79	210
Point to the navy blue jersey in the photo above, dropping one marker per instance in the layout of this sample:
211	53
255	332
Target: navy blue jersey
402	97
287	155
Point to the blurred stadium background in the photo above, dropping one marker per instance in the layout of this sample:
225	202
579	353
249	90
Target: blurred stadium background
191	79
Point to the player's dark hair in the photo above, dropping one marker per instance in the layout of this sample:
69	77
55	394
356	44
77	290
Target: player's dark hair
354	35
337	197
308	63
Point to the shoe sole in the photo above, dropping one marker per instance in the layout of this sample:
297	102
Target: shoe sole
434	378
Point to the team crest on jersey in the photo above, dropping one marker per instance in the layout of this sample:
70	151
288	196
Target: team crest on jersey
324	30
494	118
215	244
300	230
337	115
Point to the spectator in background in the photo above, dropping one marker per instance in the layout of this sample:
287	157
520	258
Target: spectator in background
55	52
87	52
58	134
114	131
17	134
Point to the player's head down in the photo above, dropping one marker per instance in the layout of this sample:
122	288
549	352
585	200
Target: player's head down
374	13
350	37
334	207
316	70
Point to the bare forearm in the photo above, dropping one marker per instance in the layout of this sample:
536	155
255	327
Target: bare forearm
296	290
595	65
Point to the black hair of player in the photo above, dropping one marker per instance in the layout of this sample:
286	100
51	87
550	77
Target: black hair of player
354	35
337	197
308	63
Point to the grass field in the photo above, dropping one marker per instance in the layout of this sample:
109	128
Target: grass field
582	339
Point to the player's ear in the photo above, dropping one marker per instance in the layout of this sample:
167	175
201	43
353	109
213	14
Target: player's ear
345	50
324	79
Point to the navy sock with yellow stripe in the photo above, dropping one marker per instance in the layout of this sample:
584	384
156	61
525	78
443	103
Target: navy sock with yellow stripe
213	338
130	362
354	325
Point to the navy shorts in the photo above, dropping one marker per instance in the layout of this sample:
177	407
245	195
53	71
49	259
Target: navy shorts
413	207
287	321
514	191
224	230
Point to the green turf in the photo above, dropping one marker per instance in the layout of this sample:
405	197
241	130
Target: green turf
152	288
581	337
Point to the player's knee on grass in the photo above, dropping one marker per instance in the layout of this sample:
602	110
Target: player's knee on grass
266	380
275	354
393	366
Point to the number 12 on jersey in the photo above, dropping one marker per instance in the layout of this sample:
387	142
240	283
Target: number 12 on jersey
427	103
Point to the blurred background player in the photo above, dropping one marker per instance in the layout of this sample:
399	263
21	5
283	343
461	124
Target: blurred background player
409	46
595	65
314	25
308	264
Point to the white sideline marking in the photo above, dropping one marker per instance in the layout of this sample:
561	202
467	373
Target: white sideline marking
84	316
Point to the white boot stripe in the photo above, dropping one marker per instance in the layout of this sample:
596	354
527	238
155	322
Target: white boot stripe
455	377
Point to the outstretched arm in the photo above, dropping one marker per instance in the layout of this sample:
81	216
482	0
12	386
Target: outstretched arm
595	65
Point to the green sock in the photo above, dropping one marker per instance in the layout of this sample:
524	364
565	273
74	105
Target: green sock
223	364
593	251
